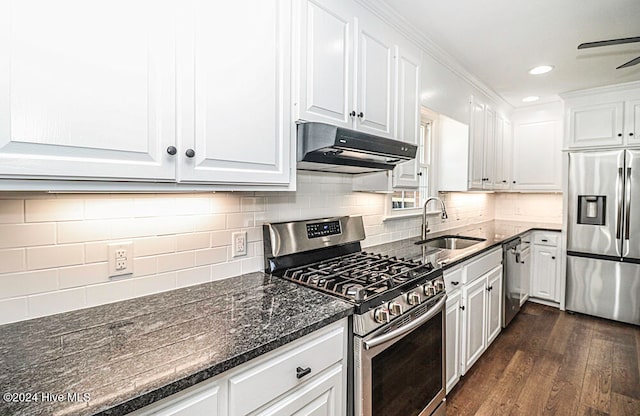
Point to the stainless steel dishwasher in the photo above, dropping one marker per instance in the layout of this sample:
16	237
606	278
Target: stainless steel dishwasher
512	274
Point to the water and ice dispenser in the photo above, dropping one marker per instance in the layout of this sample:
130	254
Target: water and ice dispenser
591	209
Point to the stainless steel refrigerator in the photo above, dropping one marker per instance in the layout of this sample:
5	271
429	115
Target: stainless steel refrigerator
603	245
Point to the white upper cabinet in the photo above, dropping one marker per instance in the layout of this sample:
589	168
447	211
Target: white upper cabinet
234	80
603	117
489	149
407	123
326	63
477	133
87	89
347	67
537	138
503	160
146	91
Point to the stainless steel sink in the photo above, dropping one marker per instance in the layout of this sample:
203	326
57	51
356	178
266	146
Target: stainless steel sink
451	242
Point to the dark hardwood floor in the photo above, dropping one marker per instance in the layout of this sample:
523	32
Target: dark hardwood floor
549	362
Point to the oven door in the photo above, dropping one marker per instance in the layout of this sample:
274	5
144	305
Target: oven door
399	369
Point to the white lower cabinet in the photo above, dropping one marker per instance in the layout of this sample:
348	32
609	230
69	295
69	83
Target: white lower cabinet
305	377
474	312
454	323
545	267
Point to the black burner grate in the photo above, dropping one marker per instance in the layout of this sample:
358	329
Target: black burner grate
359	276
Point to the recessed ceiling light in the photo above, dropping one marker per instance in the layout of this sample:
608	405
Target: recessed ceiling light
542	69
530	99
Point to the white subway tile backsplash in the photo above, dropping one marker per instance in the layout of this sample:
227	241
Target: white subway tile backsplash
13	310
148	285
240	220
56	302
193	241
54	256
56	209
87	274
225	270
82	231
212	222
27	283
176	261
221	238
144	266
109	292
11	211
105	208
211	256
155	245
95	252
27	235
13	260
193	276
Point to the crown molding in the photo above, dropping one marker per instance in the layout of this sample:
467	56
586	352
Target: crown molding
615	88
385	12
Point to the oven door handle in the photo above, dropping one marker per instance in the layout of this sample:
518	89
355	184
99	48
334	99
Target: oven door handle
407	328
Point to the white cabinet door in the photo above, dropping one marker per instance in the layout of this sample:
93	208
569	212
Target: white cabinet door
408	113
375	78
596	125
206	399
87	89
536	156
475	303
544	271
525	258
235	93
503	160
494	304
632	122
326	64
489	149
321	397
454	325
476	146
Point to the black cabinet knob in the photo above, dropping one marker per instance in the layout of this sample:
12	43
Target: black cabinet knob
172	150
631	134
462	307
301	372
504	181
513	182
352	114
419	173
190	153
360	114
619	134
553	257
455	283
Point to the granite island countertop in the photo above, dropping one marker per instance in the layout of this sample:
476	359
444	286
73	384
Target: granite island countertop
128	354
494	233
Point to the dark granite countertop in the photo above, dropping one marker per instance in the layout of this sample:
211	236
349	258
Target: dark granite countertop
494	232
129	354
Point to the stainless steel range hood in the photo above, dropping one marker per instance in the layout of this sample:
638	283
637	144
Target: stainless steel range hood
327	148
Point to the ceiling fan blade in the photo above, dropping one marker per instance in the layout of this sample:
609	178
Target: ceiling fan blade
630	63
608	42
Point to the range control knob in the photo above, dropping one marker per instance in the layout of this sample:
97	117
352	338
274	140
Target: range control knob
395	308
413	298
429	290
439	285
381	315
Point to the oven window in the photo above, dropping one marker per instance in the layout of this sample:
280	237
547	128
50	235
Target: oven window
408	375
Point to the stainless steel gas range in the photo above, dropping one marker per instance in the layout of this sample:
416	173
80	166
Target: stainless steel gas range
399	322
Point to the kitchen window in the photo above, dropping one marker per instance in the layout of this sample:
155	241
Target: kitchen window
404	200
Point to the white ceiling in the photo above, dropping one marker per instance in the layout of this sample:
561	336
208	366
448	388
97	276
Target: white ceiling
498	41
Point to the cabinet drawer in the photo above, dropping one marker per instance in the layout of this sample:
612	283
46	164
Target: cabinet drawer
453	278
546	238
482	265
259	385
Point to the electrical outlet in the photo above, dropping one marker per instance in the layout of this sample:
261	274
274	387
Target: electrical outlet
239	243
120	256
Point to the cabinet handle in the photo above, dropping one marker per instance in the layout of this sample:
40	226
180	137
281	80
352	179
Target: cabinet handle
553	257
419	173
514	182
490	288
360	114
544	240
630	134
301	372
353	113
455	283
190	153
619	134
462	307
504	181
172	150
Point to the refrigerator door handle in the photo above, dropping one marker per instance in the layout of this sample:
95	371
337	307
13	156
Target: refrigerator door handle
620	204
627	204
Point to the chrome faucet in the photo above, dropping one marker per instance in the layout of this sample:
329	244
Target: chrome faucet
425	223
